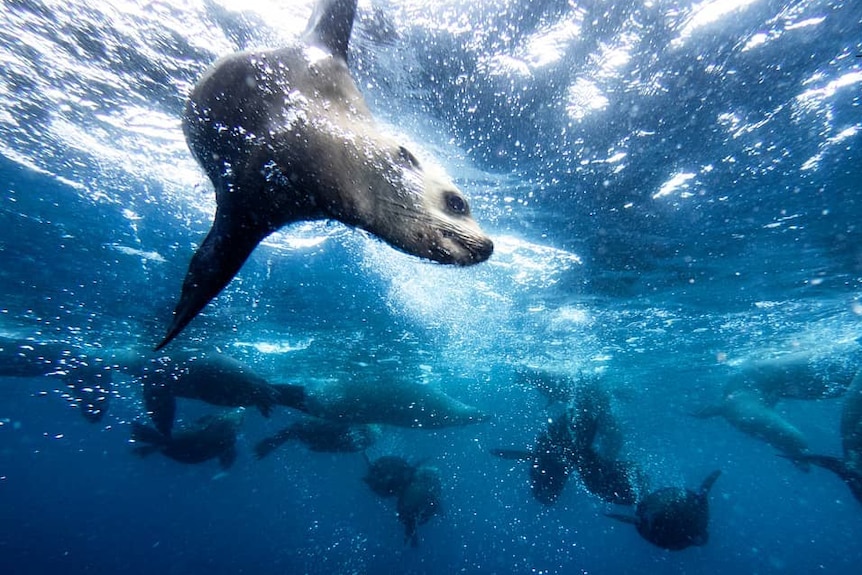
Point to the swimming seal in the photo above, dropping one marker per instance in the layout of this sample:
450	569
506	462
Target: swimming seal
285	135
208	376
753	390
419	501
320	435
673	518
210	437
403	403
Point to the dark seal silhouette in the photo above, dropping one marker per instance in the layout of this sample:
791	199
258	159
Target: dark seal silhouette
212	377
551	459
285	135
321	435
419	501
674	518
210	437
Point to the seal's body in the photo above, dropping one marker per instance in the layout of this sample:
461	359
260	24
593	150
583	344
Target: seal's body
284	135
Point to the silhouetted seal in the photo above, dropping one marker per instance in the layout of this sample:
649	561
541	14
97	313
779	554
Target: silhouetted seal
403	403
212	377
755	387
552	459
284	135
419	501
674	518
210	437
321	435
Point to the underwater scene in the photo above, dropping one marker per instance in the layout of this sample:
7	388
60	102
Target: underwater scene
419	287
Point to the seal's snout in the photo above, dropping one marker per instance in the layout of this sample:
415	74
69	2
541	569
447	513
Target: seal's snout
484	251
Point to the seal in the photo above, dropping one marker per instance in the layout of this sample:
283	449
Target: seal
673	518
753	390
400	403
551	459
285	136
747	411
210	437
419	501
322	436
212	377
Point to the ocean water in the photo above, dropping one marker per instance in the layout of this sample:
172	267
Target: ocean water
672	188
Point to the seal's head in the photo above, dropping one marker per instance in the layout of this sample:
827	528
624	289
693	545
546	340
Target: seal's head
414	208
439	224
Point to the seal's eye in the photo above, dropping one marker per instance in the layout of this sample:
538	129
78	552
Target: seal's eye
455	203
409	158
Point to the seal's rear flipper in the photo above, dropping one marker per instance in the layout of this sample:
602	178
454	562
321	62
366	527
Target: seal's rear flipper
330	26
512	454
217	261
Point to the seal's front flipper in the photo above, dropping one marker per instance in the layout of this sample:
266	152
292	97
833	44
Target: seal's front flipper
330	26
217	261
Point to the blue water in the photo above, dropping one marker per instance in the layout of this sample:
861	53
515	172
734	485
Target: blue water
671	186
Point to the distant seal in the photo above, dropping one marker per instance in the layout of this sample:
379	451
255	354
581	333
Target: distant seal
419	501
748	412
402	403
673	518
321	435
209	376
285	135
849	467
86	374
754	389
210	437
552	459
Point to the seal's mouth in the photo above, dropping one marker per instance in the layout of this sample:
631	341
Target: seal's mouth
468	250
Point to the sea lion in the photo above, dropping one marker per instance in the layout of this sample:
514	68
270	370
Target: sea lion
551	459
210	376
598	441
389	475
210	437
848	467
401	403
747	411
755	387
321	435
419	501
285	135
673	518
86	374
